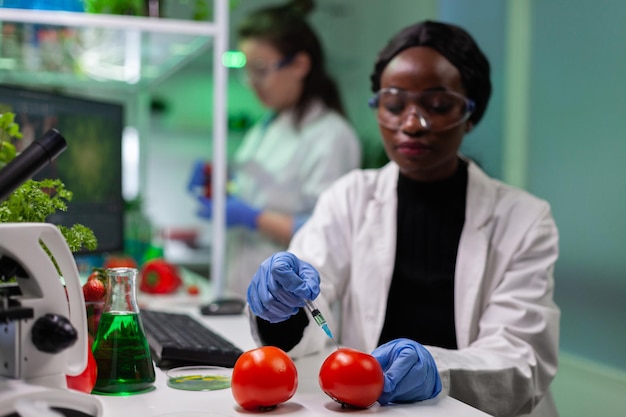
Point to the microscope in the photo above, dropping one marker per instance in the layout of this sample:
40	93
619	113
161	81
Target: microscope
43	325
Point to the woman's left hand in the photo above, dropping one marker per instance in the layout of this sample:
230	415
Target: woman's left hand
410	372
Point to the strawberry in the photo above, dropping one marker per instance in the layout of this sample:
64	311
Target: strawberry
94	290
119	260
99	274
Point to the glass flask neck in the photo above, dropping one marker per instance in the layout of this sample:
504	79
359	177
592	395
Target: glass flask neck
121	294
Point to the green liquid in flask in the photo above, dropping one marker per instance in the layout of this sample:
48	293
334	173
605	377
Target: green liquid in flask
123	355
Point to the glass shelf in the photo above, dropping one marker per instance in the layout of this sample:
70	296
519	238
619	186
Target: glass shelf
127	53
63	49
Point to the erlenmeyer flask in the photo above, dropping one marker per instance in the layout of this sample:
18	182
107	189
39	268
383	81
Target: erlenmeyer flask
121	349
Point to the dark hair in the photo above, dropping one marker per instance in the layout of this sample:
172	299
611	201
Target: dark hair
286	28
456	45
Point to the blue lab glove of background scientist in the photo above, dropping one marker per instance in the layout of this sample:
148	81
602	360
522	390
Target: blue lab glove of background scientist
238	213
199	178
279	288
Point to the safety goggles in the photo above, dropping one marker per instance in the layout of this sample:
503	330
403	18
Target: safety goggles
434	110
256	71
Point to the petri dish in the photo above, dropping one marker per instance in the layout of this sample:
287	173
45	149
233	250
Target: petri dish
199	378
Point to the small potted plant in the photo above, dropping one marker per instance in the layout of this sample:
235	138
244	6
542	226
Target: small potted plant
34	201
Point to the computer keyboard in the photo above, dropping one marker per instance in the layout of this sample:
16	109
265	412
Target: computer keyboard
178	339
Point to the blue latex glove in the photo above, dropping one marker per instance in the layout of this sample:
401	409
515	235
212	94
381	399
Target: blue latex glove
238	213
280	286
198	178
410	372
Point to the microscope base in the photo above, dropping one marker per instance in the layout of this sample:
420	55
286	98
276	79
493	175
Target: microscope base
65	402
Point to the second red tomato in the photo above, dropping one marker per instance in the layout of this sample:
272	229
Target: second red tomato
352	378
86	380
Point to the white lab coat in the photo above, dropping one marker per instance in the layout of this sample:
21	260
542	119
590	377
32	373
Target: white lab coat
284	169
507	325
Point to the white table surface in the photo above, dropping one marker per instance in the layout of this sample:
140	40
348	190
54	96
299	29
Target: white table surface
309	399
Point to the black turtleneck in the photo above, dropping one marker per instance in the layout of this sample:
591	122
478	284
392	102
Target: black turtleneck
420	305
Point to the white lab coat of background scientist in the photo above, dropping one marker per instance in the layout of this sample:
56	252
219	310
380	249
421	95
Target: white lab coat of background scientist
284	168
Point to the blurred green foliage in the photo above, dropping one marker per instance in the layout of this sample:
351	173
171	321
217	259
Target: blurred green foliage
120	7
34	201
8	130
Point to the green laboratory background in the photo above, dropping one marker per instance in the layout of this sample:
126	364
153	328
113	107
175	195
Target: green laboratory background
555	126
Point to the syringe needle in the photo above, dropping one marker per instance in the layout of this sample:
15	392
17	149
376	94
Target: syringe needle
319	319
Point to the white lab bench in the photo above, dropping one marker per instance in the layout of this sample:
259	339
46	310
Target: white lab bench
309	399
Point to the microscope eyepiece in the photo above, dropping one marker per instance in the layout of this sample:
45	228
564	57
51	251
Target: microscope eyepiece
30	161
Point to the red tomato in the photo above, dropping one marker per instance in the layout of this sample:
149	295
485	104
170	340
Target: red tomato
263	378
352	378
121	260
158	276
193	289
87	379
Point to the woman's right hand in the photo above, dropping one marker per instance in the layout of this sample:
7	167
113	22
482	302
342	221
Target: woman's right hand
281	285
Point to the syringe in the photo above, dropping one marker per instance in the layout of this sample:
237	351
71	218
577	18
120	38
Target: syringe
319	319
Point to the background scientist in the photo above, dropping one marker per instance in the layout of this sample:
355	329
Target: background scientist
286	160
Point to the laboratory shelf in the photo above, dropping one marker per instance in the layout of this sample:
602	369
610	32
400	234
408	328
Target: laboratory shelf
125	56
66	49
